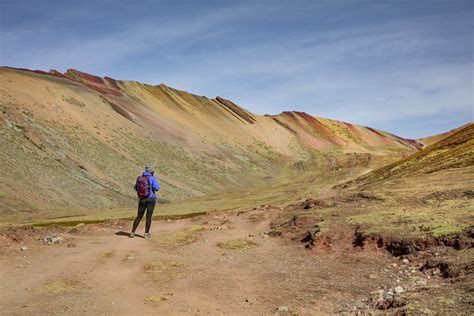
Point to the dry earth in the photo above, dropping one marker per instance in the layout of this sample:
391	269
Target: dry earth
214	264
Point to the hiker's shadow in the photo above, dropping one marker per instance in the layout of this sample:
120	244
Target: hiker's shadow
127	234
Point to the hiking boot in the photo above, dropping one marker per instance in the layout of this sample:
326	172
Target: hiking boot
147	235
132	234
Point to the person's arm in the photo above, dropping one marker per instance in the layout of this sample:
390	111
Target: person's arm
135	186
154	184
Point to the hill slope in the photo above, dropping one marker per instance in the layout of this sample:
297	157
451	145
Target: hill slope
77	141
454	153
430	140
429	193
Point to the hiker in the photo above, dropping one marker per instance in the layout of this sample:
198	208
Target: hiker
146	186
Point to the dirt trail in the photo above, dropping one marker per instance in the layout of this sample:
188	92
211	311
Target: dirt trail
182	271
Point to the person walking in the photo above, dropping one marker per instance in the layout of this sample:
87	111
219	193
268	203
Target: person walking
146	186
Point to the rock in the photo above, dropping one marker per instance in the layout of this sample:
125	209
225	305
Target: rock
24	248
222	227
398	290
310	236
406	261
426	311
371	276
387	295
378	295
282	309
49	240
71	245
437	267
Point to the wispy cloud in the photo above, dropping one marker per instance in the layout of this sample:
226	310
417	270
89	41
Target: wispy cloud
380	64
103	51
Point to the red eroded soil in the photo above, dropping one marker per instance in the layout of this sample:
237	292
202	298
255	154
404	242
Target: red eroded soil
112	82
314	125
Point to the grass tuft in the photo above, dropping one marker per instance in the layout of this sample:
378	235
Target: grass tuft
58	287
155	299
162	269
237	244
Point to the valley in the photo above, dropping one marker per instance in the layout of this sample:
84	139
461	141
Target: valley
286	214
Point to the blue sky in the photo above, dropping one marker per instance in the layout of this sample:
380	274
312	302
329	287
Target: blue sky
401	66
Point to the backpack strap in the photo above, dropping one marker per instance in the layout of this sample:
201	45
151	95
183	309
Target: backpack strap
136	182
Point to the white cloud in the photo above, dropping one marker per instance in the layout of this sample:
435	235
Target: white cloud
370	74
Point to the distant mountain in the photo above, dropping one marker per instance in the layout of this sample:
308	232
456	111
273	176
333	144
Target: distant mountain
451	157
77	140
426	141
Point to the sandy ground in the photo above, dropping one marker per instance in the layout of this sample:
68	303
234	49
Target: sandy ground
98	269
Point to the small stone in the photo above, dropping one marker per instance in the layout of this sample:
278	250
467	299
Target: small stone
24	248
398	290
49	240
371	276
71	245
406	261
387	295
394	265
282	309
426	311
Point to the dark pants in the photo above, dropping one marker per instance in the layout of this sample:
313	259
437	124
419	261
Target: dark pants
147	204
